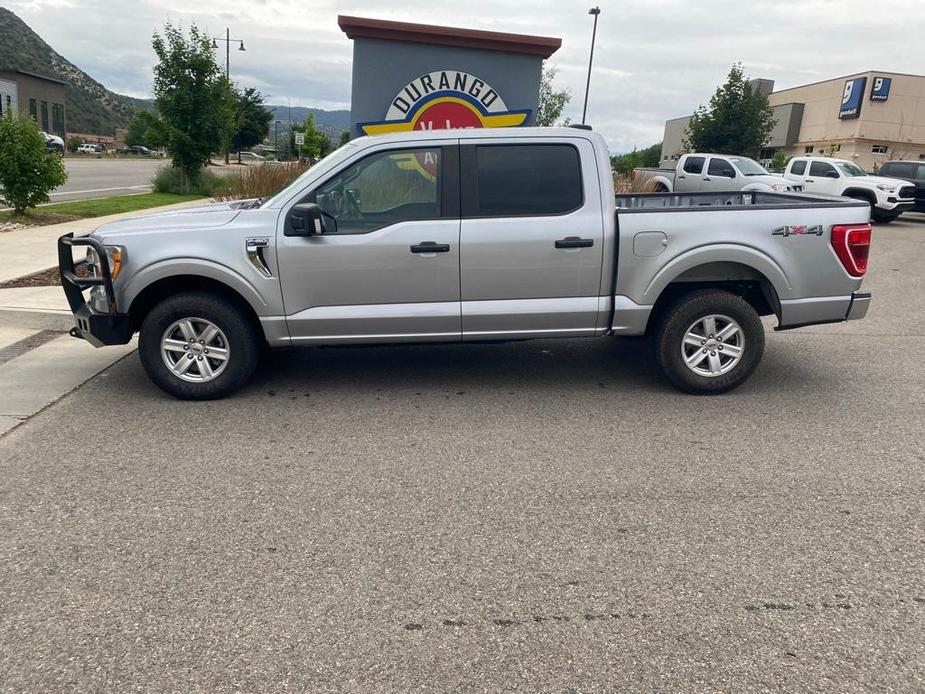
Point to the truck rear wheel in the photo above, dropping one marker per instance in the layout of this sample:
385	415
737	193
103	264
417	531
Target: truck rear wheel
709	341
198	346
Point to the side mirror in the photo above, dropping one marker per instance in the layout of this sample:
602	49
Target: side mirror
305	219
729	173
831	174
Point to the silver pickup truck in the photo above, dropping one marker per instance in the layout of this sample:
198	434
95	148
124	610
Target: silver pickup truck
469	235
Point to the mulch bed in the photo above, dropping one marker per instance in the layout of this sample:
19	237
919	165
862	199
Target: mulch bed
43	278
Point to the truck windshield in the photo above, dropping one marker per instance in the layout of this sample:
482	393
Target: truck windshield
748	167
850	169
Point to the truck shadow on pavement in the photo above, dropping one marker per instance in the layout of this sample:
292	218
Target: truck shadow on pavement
622	364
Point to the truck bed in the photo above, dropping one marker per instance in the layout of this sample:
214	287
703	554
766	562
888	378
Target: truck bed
641	202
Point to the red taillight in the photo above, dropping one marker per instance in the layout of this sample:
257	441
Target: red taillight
852	246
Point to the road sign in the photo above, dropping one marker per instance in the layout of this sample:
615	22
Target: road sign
300	138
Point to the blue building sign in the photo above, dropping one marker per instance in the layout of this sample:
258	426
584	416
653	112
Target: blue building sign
852	98
880	89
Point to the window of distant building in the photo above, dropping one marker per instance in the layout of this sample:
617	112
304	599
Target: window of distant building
45	116
808	149
879	149
33	110
57	119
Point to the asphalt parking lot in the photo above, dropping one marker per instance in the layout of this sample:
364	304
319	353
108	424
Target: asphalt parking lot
540	516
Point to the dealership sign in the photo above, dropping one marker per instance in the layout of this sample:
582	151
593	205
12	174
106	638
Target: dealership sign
852	98
880	89
445	99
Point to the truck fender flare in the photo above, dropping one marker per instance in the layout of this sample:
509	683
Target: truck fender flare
171	267
662	180
864	193
730	253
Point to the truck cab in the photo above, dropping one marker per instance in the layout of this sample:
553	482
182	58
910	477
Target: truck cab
887	197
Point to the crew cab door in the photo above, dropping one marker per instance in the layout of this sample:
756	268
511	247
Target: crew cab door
720	175
386	267
531	239
824	178
688	176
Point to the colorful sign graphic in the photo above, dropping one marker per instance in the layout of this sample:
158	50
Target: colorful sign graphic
445	99
880	89
852	98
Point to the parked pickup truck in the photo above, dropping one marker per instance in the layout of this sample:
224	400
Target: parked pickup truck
710	173
912	172
887	197
469	235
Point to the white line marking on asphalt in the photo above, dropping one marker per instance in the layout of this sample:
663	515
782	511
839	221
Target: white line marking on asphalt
98	190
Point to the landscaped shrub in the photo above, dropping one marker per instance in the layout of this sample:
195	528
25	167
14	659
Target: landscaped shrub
27	171
260	181
171	179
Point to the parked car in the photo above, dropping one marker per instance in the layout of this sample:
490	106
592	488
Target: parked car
53	143
139	150
911	171
887	197
467	236
711	173
89	148
250	156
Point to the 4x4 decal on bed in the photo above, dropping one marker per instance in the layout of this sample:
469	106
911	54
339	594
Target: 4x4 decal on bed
799	230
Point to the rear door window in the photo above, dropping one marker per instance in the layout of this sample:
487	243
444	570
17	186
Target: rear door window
526	180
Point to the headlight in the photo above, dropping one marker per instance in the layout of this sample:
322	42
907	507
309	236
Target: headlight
887	188
114	257
778	187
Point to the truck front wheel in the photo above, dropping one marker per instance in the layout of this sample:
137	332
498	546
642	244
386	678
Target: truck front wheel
709	341
198	346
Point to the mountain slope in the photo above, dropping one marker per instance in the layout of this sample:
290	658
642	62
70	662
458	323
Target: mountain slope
91	108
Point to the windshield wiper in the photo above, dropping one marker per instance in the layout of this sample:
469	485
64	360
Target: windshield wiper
257	203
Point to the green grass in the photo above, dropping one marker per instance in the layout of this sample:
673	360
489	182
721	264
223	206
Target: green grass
95	207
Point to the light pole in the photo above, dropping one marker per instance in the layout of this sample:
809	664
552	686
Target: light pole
227	40
276	138
584	111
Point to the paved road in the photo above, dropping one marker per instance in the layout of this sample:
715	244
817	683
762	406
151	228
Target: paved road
94	178
534	516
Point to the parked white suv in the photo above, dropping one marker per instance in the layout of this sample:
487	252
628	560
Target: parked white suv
888	197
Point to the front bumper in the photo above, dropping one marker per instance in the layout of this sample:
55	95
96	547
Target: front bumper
893	204
97	327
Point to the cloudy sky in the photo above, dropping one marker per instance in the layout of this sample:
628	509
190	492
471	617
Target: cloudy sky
655	59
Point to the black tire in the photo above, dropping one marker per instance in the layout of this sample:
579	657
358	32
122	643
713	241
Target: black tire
685	312
881	217
244	344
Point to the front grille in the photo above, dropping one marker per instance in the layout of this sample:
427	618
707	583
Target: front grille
907	192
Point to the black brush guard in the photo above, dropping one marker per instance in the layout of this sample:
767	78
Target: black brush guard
98	328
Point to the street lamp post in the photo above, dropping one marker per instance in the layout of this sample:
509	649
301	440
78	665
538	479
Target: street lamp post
276	139
227	39
584	111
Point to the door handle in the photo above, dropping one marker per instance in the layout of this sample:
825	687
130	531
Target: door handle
682	176
809	180
430	247
574	242
706	179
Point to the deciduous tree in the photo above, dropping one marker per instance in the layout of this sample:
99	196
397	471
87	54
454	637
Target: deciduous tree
551	102
737	121
27	171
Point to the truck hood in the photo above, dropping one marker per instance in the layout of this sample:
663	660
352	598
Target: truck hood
200	217
879	181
